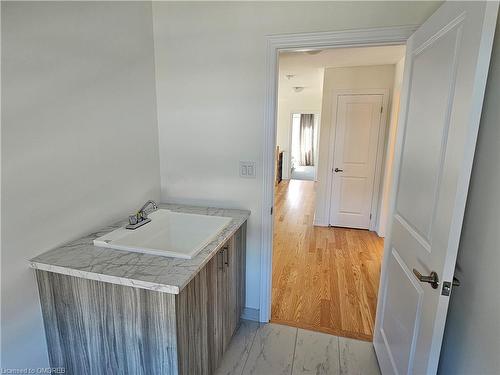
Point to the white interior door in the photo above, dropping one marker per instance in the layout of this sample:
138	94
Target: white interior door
445	75
357	132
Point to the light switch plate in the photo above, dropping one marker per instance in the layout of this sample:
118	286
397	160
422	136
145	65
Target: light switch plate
247	169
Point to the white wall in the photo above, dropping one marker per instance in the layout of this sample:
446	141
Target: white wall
472	335
347	78
210	66
289	102
307	103
79	140
389	151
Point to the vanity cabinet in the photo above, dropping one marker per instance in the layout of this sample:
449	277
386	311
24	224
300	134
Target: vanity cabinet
95	327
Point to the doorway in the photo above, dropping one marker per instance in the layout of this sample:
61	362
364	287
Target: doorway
325	274
304	146
444	84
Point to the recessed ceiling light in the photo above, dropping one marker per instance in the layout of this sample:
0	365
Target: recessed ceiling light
298	88
310	51
290	76
314	51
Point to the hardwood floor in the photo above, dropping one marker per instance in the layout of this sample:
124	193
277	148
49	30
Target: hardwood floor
324	279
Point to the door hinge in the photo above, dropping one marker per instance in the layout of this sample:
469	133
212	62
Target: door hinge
271	210
381	109
370	216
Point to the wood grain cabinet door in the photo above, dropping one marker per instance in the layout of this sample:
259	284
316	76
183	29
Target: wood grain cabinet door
231	277
222	282
214	348
235	278
231	286
220	298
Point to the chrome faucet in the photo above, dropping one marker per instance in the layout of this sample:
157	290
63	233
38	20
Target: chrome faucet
141	217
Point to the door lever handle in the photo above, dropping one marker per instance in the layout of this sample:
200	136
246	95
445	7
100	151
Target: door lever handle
432	279
338	170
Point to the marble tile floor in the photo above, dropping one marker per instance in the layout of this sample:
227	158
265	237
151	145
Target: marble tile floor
273	349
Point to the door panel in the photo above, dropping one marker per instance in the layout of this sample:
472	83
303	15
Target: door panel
402	290
356	137
358	124
432	76
351	189
445	75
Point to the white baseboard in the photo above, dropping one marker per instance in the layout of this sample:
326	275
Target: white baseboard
250	314
319	223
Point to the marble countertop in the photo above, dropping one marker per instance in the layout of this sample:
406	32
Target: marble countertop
81	258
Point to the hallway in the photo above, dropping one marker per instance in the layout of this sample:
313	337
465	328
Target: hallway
324	279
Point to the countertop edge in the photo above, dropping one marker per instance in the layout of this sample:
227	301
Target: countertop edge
131	281
125	281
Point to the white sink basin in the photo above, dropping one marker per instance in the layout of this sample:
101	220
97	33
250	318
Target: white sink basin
171	234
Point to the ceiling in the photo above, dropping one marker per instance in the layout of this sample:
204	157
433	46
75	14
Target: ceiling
307	67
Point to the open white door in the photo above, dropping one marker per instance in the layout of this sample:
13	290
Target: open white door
445	76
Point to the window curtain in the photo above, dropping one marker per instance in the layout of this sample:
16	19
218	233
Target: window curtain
307	139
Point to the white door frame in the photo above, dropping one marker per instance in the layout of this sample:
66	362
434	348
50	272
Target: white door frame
288	42
317	126
380	150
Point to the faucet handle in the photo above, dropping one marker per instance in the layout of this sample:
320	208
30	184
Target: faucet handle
133	219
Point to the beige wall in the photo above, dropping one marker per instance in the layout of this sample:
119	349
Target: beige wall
210	70
472	335
79	141
347	78
389	150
